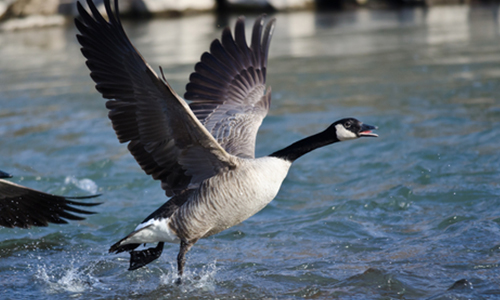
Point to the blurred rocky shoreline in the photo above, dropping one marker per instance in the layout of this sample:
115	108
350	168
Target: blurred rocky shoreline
19	14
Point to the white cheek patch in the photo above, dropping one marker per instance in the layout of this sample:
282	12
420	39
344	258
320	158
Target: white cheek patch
344	134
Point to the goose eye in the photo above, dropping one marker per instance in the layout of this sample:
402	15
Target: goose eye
347	124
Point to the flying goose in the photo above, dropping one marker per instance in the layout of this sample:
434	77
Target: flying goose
24	207
203	153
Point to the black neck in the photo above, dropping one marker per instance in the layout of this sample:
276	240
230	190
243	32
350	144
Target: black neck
297	149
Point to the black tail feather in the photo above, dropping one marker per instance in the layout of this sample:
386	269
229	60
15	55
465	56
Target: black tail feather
116	248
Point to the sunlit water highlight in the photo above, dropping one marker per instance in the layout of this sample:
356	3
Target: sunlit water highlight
404	216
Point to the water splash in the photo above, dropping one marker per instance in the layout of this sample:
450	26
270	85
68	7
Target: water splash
204	280
84	184
68	282
71	278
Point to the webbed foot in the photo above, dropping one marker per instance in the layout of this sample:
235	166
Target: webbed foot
139	259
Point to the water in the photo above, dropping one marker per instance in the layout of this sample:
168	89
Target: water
404	216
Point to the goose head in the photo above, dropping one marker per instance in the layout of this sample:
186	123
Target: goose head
351	128
342	130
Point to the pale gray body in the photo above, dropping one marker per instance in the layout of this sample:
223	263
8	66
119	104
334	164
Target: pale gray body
229	198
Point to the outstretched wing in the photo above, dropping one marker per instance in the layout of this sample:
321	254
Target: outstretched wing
24	207
228	85
164	135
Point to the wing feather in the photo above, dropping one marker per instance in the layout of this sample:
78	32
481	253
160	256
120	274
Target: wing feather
24	207
164	135
228	89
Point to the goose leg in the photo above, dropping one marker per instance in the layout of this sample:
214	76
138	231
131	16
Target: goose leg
181	259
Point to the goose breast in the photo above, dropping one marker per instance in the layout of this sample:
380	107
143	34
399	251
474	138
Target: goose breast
231	197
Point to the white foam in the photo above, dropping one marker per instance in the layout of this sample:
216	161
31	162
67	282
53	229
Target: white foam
83	184
70	279
203	280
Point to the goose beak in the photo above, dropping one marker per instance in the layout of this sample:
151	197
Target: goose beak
5	175
366	130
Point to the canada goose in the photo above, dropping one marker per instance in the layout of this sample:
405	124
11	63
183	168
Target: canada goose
24	207
203	153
